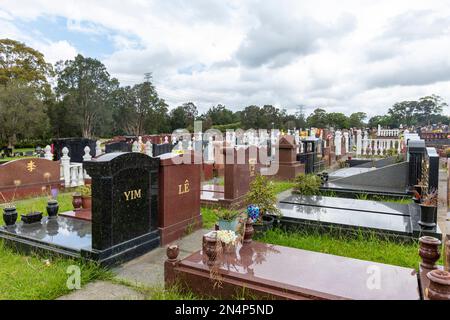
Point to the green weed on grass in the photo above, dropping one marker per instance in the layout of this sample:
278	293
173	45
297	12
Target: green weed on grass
32	277
362	246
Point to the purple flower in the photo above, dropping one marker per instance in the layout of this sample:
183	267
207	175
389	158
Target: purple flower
54	192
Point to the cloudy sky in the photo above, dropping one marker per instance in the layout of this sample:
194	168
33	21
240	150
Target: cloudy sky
344	55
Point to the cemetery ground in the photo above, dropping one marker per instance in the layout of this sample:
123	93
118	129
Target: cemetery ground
40	277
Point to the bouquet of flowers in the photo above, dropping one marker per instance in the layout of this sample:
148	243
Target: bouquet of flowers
227	237
253	213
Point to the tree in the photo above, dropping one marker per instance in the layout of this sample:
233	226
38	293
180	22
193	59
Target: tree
403	113
337	120
220	115
85	86
25	64
250	117
427	107
356	120
21	112
182	117
318	118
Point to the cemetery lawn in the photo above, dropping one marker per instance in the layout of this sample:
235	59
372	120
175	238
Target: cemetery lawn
35	277
209	218
281	186
363	247
39	204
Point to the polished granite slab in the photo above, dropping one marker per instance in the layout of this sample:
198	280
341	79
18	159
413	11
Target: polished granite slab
356	188
73	234
297	274
349	204
346	218
347	172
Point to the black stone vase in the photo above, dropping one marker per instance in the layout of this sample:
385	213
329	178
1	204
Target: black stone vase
52	208
428	216
266	224
10	216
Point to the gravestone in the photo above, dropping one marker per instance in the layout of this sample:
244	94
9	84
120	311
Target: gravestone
179	194
289	167
125	190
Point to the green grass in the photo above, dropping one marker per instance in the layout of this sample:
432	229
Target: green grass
364	247
209	218
281	186
40	203
31	277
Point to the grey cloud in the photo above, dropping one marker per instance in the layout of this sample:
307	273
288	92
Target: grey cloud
278	40
411	75
416	25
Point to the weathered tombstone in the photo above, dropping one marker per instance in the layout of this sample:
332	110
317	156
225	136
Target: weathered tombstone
124	205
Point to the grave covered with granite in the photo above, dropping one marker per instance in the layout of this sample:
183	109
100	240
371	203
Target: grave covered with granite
124	215
384	218
261	270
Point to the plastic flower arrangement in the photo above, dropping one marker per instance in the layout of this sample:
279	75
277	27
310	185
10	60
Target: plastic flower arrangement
253	212
227	237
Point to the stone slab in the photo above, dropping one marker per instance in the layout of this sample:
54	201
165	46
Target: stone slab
73	234
349	204
289	273
346	218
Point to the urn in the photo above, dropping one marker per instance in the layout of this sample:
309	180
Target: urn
429	252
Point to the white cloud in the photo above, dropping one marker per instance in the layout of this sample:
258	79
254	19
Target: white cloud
350	55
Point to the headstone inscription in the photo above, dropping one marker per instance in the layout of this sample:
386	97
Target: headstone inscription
125	190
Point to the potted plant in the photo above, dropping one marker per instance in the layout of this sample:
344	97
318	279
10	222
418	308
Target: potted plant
428	209
86	196
226	219
262	194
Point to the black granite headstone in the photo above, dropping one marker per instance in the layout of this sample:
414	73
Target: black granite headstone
76	148
124	204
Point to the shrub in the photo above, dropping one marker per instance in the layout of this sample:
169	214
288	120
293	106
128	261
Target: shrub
225	214
263	194
307	184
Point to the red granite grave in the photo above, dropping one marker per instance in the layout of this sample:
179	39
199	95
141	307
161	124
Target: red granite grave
270	271
288	166
29	177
